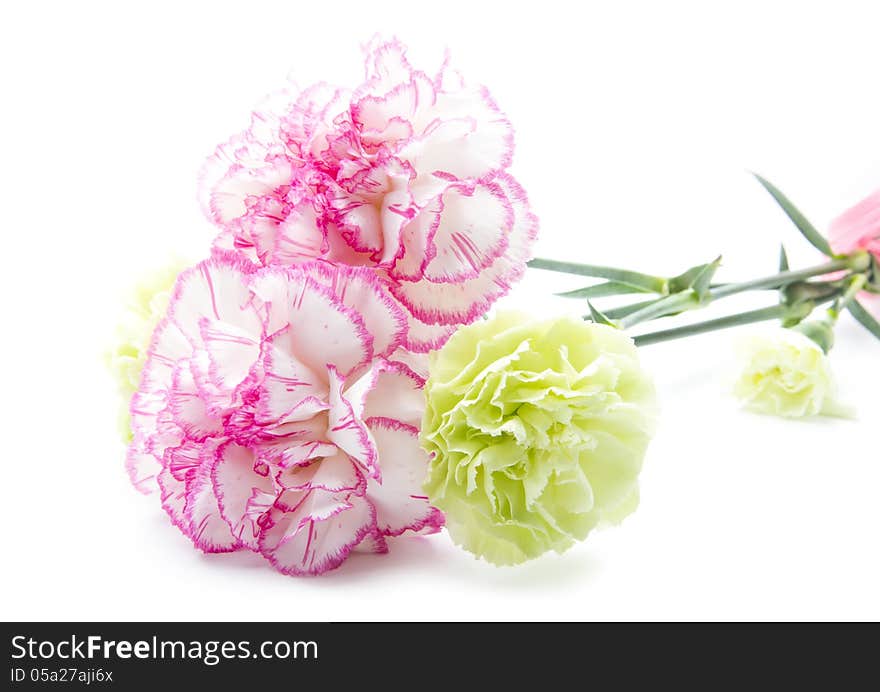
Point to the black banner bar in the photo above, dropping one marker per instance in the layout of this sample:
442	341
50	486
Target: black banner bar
132	656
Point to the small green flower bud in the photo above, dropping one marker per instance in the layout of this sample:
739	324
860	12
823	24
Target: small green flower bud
820	332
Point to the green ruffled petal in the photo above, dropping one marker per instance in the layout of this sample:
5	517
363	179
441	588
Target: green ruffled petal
537	431
145	306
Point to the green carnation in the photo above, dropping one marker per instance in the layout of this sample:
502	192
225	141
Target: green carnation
787	374
537	432
144	307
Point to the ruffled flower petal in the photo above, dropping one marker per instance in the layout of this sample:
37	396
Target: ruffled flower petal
359	289
347	430
401	504
144	309
858	228
207	527
469	138
315	535
309	324
462	302
423	338
395	393
289	391
214	290
472	233
243	495
335	472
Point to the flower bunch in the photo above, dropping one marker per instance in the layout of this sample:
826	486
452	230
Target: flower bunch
323	382
276	404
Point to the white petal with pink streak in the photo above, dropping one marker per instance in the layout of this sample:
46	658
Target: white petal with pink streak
391	389
296	543
208	529
333	473
289	391
463	302
346	429
310	324
243	495
217	289
400	502
472	233
359	289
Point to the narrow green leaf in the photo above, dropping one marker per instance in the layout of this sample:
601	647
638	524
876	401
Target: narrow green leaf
703	280
816	239
606	288
698	278
783	259
646	282
865	318
598	317
784	266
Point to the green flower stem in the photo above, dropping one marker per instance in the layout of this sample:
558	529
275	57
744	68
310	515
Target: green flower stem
750	317
624	310
688	300
782	278
654	284
856	284
858	262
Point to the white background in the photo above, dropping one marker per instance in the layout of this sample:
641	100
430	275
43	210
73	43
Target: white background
636	125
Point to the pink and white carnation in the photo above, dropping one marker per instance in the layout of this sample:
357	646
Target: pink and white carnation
273	414
406	174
